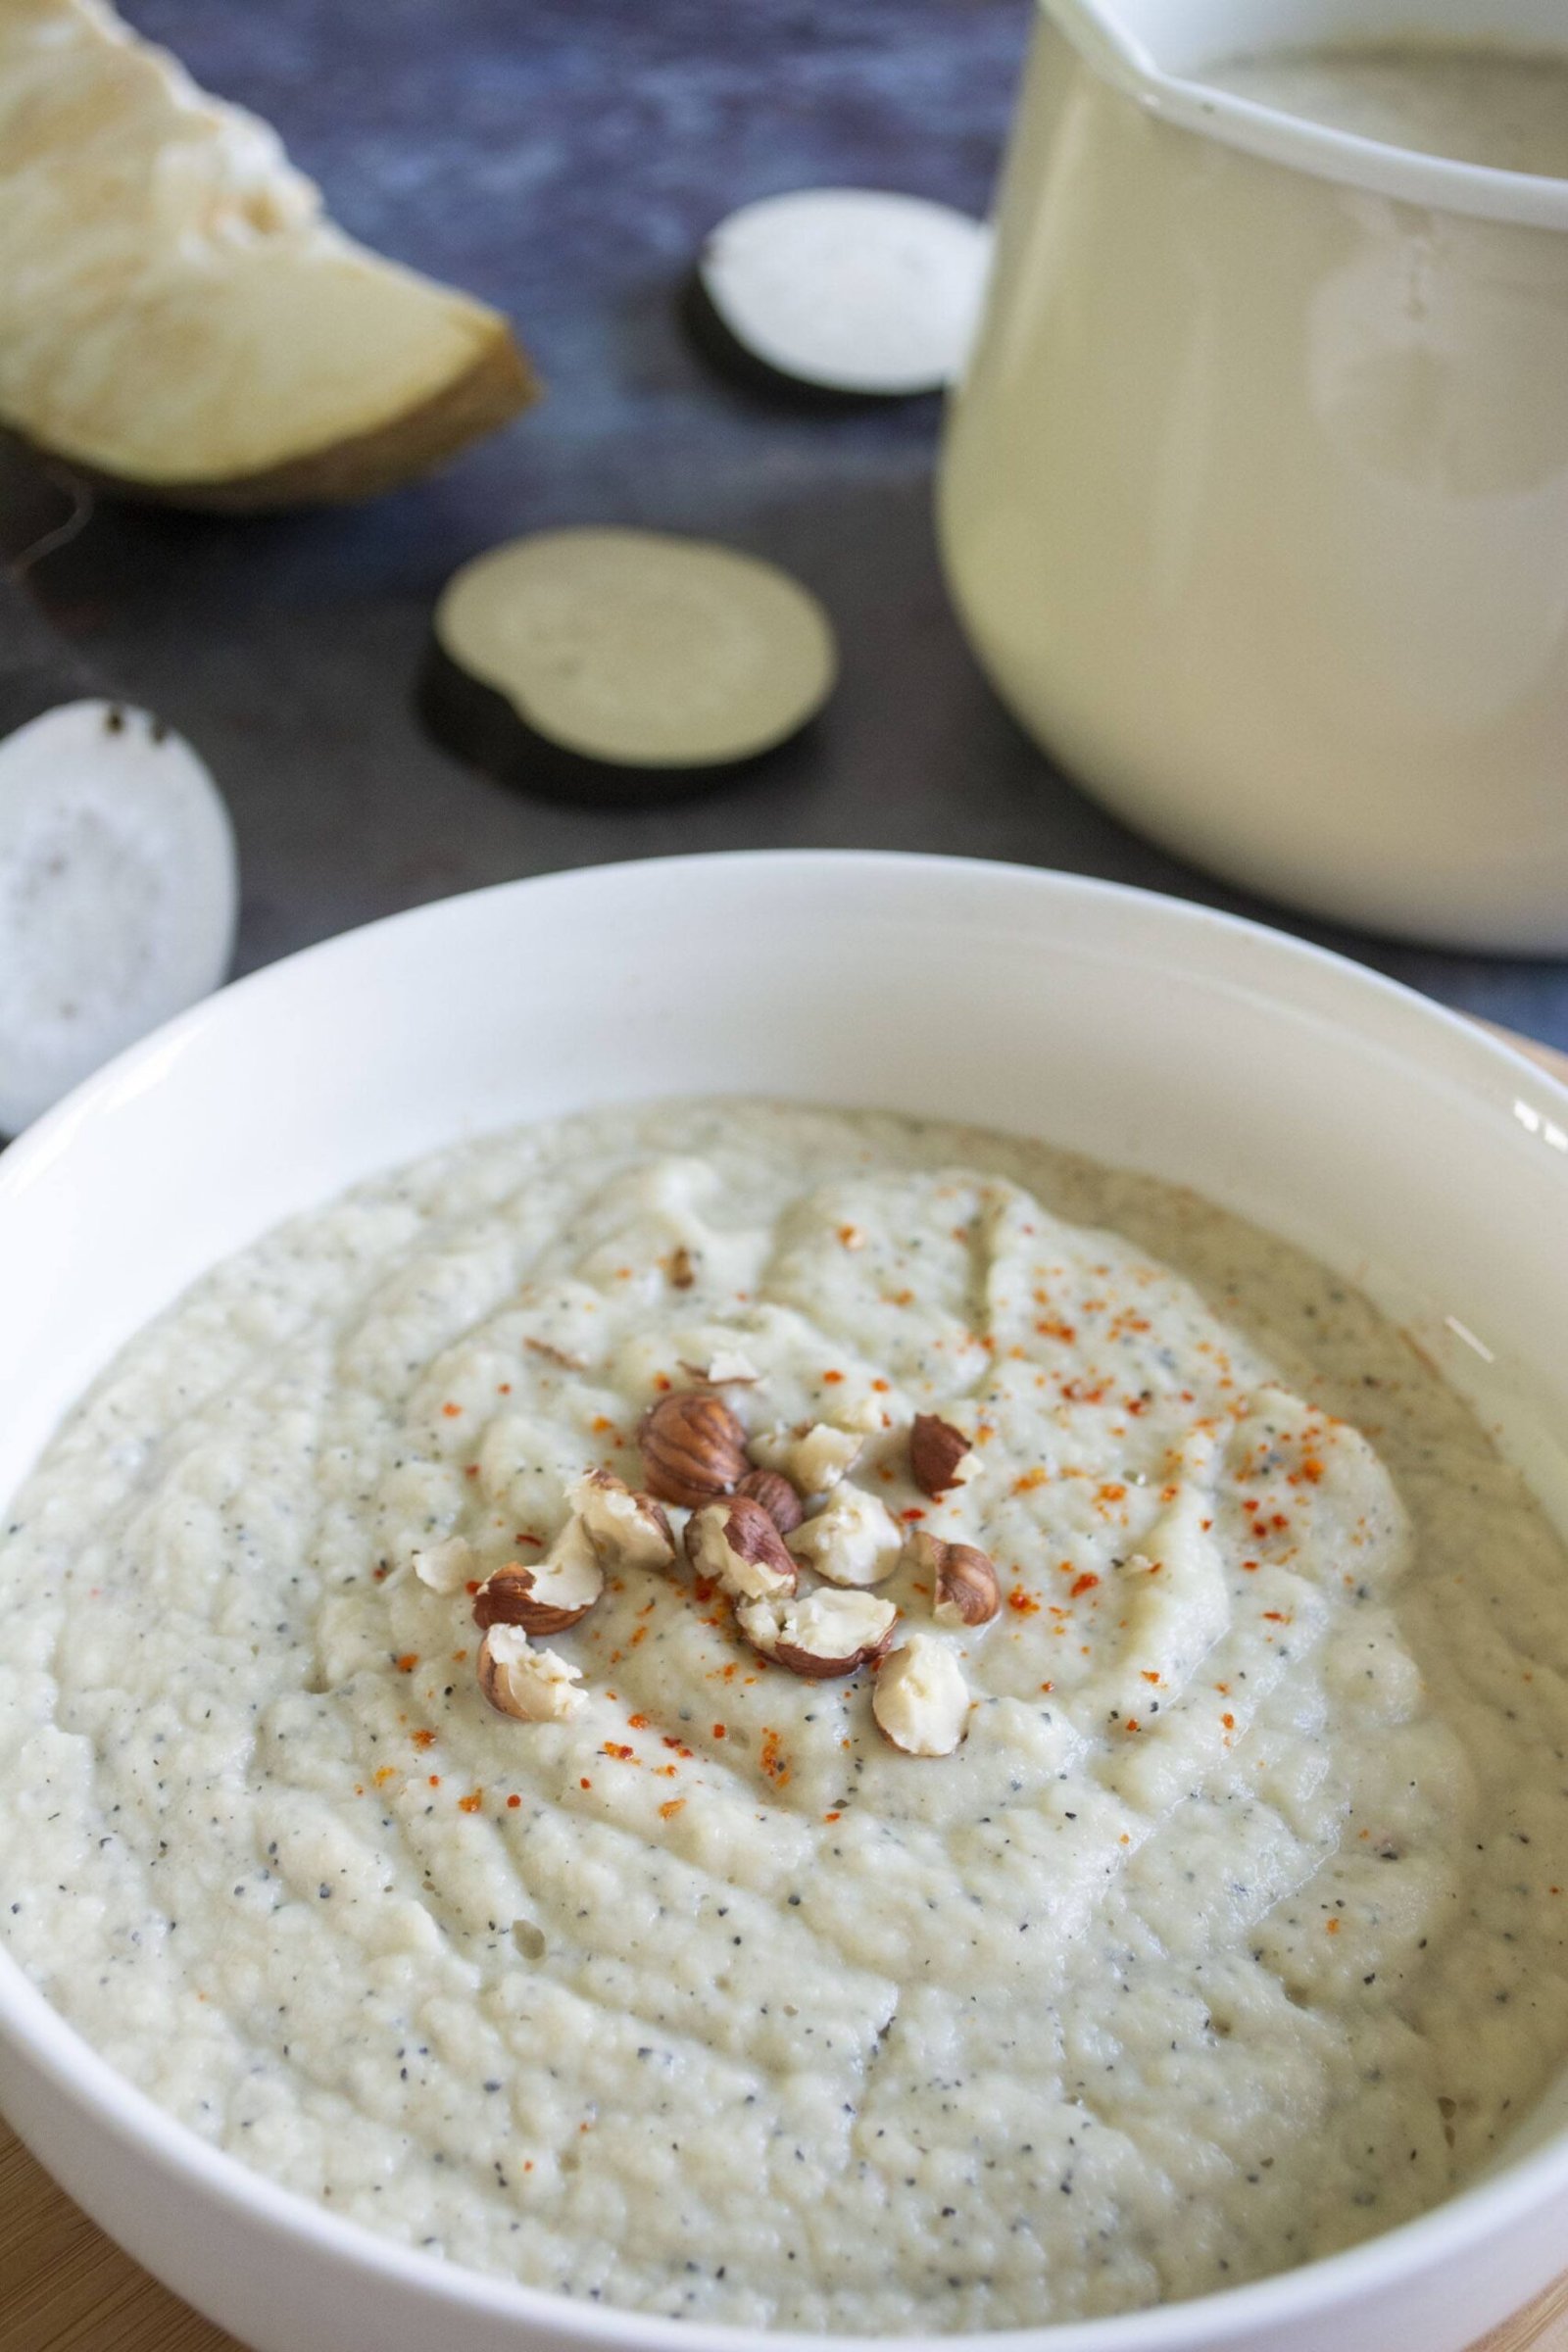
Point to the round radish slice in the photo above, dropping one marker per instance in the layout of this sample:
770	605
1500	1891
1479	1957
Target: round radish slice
117	893
620	664
845	290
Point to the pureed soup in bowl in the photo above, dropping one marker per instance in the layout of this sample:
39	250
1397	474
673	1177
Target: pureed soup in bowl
796	1717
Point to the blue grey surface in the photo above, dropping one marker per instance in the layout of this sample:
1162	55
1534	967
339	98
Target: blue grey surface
563	160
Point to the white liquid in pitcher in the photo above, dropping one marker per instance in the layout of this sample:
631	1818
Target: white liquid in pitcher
1503	107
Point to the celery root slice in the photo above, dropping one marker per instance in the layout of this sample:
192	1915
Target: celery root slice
180	321
618	664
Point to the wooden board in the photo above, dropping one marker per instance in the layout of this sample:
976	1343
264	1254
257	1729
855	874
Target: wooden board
65	2287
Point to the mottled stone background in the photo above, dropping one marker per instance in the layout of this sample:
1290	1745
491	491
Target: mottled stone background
564	158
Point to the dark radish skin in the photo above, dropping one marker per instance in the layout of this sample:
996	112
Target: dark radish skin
744	367
478	725
39	670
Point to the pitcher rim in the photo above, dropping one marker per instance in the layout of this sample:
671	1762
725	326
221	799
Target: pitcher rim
1440	182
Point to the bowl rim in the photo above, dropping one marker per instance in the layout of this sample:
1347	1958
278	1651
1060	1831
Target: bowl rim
55	2049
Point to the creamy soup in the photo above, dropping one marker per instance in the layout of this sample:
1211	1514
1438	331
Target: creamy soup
1193	1905
1504	108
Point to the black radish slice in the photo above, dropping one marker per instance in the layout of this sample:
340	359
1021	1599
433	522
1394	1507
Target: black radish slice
623	665
847	291
118	880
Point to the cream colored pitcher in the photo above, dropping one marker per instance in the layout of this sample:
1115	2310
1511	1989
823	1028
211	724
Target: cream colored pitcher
1254	498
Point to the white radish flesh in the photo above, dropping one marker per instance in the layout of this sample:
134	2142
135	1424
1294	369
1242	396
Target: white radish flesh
848	290
117	893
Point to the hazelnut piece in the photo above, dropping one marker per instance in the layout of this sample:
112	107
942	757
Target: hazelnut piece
503	1597
854	1540
940	1455
821	1454
725	1368
826	1635
626	1530
546	1600
736	1544
693	1448
964	1586
557	1355
537	1686
813	1455
921	1702
778	1498
444	1567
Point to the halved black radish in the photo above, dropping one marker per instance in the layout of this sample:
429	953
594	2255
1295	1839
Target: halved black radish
623	666
117	882
849	293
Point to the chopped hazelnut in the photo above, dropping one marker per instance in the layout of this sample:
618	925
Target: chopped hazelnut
626	1530
964	1586
826	1634
557	1355
693	1448
813	1455
821	1454
545	1599
854	1540
940	1455
445	1567
778	1498
867	1414
537	1686
736	1544
921	1702
725	1368
505	1596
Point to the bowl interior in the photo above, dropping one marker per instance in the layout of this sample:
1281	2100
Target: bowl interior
1411	1154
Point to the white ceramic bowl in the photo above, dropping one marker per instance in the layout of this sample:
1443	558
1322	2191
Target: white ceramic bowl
1403	1146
